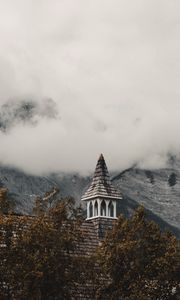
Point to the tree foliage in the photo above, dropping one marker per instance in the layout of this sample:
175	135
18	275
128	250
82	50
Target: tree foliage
139	261
6	207
37	255
41	257
172	179
42	204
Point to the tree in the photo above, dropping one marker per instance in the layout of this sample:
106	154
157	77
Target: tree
41	258
172	179
6	206
37	258
150	176
139	261
43	204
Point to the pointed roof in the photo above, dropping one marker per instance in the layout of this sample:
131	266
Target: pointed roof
101	185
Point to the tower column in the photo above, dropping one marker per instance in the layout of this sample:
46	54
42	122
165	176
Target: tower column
93	203
114	204
99	207
88	204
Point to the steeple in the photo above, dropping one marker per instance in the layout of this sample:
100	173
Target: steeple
101	196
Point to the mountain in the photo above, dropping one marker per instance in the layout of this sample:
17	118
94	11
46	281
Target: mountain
158	190
24	188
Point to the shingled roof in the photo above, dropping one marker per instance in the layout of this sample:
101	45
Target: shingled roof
101	185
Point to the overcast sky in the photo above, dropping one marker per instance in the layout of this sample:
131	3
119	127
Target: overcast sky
113	69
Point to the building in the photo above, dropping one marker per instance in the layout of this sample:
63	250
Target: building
101	197
101	200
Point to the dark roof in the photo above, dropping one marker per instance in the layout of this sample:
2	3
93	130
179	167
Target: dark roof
101	185
92	235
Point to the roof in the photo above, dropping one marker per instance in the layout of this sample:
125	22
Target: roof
101	185
92	234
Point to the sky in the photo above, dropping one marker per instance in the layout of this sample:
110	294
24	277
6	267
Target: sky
112	72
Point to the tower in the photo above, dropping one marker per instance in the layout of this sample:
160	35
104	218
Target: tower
101	197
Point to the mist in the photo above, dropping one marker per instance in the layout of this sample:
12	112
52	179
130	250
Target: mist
111	70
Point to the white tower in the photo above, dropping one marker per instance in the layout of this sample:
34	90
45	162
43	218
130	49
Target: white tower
101	197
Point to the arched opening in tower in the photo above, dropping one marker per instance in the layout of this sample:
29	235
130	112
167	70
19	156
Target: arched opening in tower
111	209
95	209
103	208
90	210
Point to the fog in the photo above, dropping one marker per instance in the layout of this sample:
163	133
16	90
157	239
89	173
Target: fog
112	70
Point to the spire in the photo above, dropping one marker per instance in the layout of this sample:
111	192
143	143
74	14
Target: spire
101	185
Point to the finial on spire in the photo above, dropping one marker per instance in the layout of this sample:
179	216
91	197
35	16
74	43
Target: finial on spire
101	156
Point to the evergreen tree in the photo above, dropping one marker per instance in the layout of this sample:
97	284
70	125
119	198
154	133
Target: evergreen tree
172	179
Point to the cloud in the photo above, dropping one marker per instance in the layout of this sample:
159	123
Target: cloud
26	112
111	67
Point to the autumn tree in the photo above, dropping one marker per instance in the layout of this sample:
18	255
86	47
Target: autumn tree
139	261
44	203
41	257
6	206
37	254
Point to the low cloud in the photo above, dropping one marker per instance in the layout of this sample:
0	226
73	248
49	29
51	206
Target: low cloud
26	112
111	70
